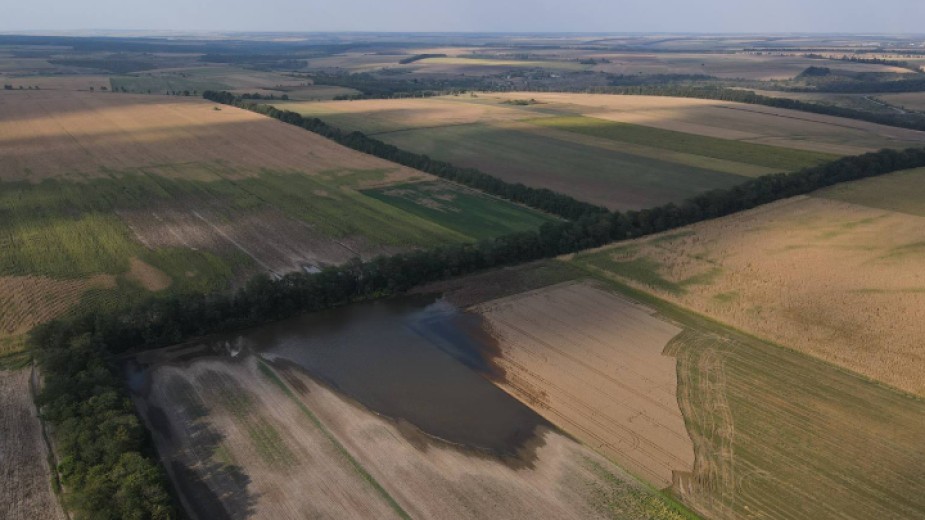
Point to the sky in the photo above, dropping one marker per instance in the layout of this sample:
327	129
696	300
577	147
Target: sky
704	16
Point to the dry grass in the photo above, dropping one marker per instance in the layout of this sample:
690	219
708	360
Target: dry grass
592	363
25	476
50	134
838	281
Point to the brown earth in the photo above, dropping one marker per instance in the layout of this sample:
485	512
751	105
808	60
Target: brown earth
148	276
592	363
25	476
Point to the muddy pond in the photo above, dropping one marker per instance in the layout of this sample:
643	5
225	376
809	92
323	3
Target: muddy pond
417	359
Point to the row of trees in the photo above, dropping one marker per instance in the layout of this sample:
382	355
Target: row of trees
912	121
539	198
107	462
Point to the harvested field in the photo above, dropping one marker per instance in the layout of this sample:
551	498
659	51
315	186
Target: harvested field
835	280
50	134
780	435
242	438
25	475
592	363
26	301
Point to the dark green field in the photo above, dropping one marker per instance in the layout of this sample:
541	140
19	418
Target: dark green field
784	159
467	212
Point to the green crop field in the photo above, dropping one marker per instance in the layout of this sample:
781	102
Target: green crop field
780	434
605	177
464	211
900	191
776	157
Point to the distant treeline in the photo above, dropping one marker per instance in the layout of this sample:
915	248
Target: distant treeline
419	57
114	65
871	61
911	121
107	462
867	83
539	198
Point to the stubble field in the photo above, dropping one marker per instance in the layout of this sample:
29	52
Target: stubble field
837	280
592	363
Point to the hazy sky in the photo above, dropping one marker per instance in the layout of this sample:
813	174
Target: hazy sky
896	16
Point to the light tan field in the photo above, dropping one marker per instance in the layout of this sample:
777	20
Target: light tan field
241	440
840	281
50	134
751	123
25	476
593	364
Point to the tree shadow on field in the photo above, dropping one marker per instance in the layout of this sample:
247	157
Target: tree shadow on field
211	488
210	484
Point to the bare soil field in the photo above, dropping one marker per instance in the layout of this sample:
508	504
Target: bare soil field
836	280
243	439
25	476
592	363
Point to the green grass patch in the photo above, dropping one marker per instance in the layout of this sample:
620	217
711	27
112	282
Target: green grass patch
901	191
619	498
643	269
785	159
15	360
464	211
